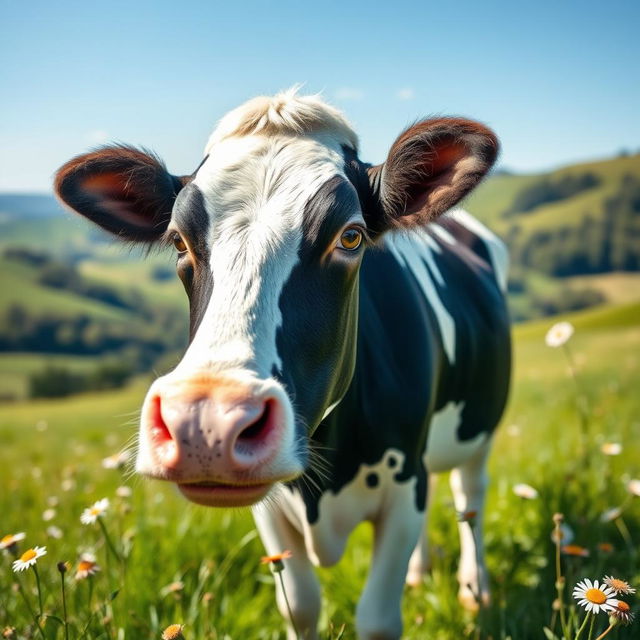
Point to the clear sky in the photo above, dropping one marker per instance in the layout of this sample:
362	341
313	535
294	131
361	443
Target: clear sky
558	80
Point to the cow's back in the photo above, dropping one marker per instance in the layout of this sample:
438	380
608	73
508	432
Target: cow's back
433	356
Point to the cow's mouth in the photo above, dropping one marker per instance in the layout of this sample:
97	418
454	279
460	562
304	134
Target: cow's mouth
218	494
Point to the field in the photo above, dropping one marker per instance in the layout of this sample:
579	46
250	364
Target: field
177	563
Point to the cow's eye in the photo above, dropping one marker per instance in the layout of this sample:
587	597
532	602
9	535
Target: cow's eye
179	243
350	239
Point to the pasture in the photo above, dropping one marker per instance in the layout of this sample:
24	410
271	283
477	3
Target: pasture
166	561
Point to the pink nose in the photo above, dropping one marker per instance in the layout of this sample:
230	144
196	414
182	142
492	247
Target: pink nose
211	427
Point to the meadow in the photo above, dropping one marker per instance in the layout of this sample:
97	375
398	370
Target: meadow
573	438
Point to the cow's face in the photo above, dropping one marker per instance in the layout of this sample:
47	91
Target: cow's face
269	233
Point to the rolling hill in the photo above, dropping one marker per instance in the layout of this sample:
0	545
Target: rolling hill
574	236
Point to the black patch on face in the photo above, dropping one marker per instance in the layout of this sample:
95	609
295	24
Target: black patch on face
316	341
191	219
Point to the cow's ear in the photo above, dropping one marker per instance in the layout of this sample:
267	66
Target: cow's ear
124	190
430	167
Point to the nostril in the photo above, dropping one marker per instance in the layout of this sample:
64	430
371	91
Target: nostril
159	430
259	429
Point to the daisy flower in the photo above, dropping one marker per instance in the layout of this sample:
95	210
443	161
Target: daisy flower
29	558
87	566
116	461
562	535
611	514
593	596
124	492
278	557
173	632
559	334
54	532
91	515
621	612
276	560
633	487
10	540
611	448
525	491
575	550
619	586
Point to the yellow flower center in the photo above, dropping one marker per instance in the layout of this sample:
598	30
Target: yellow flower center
596	596
94	511
30	554
85	565
623	606
6	539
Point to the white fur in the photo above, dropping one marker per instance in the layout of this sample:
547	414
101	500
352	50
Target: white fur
497	248
416	255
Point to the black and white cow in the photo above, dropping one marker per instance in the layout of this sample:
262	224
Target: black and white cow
344	343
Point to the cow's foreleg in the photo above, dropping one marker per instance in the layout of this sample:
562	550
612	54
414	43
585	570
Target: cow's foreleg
299	577
420	561
378	615
468	484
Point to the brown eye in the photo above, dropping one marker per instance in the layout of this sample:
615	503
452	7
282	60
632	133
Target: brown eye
350	239
179	243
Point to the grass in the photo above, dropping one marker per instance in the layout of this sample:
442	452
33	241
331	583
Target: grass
198	567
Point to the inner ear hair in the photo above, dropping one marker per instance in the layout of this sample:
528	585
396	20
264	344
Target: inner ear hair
432	166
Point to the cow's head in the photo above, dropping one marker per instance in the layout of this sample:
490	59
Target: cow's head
269	233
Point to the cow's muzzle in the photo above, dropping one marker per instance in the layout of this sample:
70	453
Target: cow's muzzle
223	439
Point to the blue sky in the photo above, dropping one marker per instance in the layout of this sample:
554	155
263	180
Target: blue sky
558	81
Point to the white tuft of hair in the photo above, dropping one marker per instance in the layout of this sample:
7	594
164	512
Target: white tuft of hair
285	113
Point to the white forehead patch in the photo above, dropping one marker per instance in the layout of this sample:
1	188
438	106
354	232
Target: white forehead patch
255	191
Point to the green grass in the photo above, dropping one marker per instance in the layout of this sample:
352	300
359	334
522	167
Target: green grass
54	449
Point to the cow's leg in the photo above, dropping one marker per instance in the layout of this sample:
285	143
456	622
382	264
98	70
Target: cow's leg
299	577
420	562
378	616
468	484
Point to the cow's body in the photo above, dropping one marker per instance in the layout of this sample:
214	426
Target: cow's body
430	384
330	380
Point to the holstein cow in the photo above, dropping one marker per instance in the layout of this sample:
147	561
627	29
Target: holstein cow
344	344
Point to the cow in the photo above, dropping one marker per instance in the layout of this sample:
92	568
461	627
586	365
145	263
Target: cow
348	336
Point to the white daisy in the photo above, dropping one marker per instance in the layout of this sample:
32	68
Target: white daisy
559	334
91	514
87	566
124	492
8	541
621	612
619	586
633	487
116	461
611	448
525	491
29	558
593	596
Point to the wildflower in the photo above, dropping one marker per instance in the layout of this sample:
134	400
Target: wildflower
559	334
525	491
467	516
276	560
11	540
575	550
594	597
63	567
48	514
173	632
87	566
562	535
124	492
619	586
116	461
9	632
633	487
611	448
91	514
53	501
621	613
611	514
605	547
173	587
29	558
54	532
